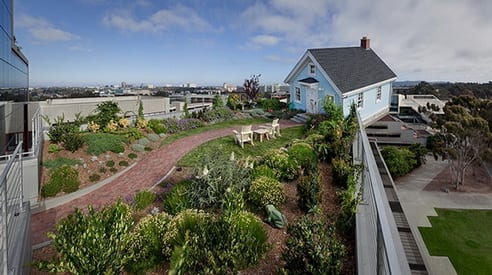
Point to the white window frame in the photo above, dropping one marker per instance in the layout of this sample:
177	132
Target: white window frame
360	100
297	94
312	69
379	94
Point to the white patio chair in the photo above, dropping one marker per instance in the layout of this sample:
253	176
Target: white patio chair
274	128
246	135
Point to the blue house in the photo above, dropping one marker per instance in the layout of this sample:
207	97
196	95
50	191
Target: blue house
348	75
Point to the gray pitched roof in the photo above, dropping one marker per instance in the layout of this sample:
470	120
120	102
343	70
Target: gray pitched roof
352	68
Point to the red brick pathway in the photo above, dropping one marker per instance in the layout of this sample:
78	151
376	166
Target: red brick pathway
144	174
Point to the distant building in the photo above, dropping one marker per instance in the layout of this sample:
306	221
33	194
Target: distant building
229	87
123	84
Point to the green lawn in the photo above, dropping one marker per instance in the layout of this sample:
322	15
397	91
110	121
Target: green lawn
465	236
227	145
220	125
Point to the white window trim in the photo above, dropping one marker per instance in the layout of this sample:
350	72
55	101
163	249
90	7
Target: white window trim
295	94
360	100
379	94
311	65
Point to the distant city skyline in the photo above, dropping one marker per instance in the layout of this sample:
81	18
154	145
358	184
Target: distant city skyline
103	42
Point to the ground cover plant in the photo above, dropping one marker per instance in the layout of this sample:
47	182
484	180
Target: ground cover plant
60	161
463	236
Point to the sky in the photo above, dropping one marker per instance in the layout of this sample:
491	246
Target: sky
101	42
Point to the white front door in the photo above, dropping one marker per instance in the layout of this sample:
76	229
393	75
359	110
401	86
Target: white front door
311	100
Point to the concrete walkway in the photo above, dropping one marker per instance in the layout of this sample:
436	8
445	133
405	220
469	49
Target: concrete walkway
418	204
143	175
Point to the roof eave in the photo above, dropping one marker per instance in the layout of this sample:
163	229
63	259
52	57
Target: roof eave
367	87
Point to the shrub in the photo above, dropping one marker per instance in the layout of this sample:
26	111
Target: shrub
50	189
105	112
153	137
92	243
146	243
308	192
265	190
349	199
57	132
53	148
102	170
63	178
144	199
214	116
132	156
210	184
94	177
271	104
138	147
131	134
217	102
60	161
110	163
303	154
312	248
123	163
341	170
72	141
174	125
144	141
400	161
113	170
280	162
157	126
176	200
99	143
264	171
148	149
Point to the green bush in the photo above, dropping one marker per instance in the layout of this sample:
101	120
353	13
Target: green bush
123	163
98	143
50	189
279	161
54	148
131	134
341	169
400	161
113	170
157	126
265	190
143	199
210	185
110	163
271	104
132	156
59	161
105	112
144	141
176	200
138	147
63	178
264	171
303	154
148	149
102	170
94	177
92	243
313	248
153	137
57	132
72	141
146	243
308	191
349	199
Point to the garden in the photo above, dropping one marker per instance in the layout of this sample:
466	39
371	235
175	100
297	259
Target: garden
287	205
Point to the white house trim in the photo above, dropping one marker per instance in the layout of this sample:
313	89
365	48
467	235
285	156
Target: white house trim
356	91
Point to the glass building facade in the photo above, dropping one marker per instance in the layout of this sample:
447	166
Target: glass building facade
14	79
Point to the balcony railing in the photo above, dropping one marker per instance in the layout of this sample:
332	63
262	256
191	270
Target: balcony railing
14	217
379	248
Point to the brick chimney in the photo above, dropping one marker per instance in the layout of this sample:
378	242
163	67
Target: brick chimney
364	43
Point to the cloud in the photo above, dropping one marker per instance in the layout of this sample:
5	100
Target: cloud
163	20
42	31
260	41
79	48
279	59
431	40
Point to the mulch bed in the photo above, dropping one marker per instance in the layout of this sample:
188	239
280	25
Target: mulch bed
477	180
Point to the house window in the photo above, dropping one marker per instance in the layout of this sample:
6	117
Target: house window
312	69
378	94
360	100
298	94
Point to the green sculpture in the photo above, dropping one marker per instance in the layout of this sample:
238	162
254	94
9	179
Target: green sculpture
274	217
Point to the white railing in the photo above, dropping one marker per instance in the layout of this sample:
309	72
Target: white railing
11	205
378	245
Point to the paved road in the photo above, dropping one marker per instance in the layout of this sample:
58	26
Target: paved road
418	204
143	175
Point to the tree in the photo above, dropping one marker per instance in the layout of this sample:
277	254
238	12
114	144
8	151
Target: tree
465	136
140	110
252	86
218	102
106	111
